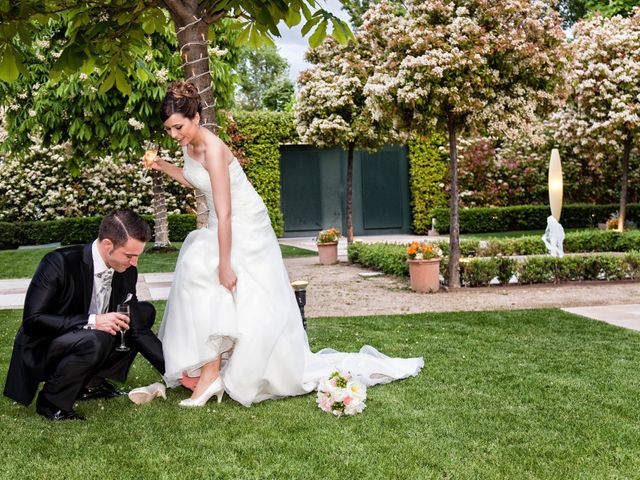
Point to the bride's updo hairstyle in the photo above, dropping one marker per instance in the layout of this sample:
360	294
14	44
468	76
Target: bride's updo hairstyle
181	97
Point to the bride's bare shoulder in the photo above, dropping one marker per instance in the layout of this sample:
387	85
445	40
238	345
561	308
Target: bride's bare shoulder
217	147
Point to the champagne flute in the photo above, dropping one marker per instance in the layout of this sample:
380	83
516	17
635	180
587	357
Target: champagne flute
123	308
150	155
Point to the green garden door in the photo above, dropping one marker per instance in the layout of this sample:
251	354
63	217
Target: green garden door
383	192
313	184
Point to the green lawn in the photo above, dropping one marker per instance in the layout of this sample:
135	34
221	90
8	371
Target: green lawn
22	263
503	395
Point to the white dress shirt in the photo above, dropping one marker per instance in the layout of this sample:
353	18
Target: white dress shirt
98	303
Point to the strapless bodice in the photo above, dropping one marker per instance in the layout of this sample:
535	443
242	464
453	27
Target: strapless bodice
246	204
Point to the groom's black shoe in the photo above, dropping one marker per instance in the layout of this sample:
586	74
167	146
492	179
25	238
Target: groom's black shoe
103	390
55	414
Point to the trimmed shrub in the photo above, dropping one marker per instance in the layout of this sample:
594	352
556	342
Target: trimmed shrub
575	242
506	268
70	231
631	265
475	272
40	187
428	169
259	137
528	217
386	257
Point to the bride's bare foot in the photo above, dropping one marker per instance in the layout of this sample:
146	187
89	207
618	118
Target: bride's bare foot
189	382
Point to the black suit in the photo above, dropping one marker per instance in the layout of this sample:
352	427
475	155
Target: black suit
52	345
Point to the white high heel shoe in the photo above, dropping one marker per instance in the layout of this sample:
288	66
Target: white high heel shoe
216	388
142	395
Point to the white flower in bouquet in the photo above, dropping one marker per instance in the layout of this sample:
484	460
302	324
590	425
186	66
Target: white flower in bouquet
341	395
357	390
354	407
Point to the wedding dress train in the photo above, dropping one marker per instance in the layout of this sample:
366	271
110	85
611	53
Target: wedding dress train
258	328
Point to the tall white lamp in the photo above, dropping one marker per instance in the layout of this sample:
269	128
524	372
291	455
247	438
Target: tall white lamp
555	184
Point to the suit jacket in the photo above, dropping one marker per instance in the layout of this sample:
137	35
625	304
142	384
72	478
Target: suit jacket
57	302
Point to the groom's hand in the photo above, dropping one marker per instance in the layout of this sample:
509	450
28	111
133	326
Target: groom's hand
112	322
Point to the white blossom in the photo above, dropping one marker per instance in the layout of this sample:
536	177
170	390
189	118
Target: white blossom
41	188
162	75
136	124
217	52
437	54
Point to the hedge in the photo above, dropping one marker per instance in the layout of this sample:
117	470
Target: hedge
69	231
474	272
42	189
528	217
428	171
260	135
593	240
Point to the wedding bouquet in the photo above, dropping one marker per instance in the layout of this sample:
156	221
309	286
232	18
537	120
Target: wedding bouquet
341	395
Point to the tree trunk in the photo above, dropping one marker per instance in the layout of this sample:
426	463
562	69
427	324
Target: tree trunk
192	27
161	230
349	198
454	218
625	181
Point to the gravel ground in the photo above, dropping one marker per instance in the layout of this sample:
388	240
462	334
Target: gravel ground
338	290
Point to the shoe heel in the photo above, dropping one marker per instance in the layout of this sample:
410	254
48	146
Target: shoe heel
216	388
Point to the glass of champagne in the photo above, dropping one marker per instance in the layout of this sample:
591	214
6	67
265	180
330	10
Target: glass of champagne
123	308
150	154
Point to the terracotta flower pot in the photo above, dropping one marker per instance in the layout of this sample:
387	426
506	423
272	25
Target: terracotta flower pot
425	275
328	253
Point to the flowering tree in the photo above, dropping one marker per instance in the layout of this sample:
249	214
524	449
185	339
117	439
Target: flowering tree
330	107
109	37
49	111
39	187
461	65
603	114
3	131
73	111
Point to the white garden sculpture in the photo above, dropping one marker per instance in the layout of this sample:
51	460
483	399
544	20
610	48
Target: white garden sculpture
553	237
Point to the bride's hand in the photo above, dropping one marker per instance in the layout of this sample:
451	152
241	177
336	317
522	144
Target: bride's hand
153	161
228	278
157	164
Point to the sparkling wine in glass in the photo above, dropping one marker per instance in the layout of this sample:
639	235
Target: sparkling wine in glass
150	155
124	309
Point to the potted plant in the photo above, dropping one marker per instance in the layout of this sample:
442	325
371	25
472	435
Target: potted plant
424	266
327	242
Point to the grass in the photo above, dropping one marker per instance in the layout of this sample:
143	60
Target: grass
512	394
22	263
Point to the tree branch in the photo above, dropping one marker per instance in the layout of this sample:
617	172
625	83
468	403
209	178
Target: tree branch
177	9
213	16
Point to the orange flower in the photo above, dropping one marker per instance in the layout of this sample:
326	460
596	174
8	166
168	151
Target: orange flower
423	250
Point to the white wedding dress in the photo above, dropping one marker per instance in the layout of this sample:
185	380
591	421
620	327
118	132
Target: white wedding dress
258	329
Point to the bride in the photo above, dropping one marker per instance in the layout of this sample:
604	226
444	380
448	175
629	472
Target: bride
232	323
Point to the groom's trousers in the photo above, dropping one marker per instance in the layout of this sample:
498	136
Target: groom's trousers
76	358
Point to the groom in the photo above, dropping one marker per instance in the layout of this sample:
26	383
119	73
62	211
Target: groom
70	326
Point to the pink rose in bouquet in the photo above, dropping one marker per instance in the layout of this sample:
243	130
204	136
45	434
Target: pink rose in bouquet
341	395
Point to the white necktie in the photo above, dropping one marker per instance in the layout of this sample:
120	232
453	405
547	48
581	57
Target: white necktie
102	297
